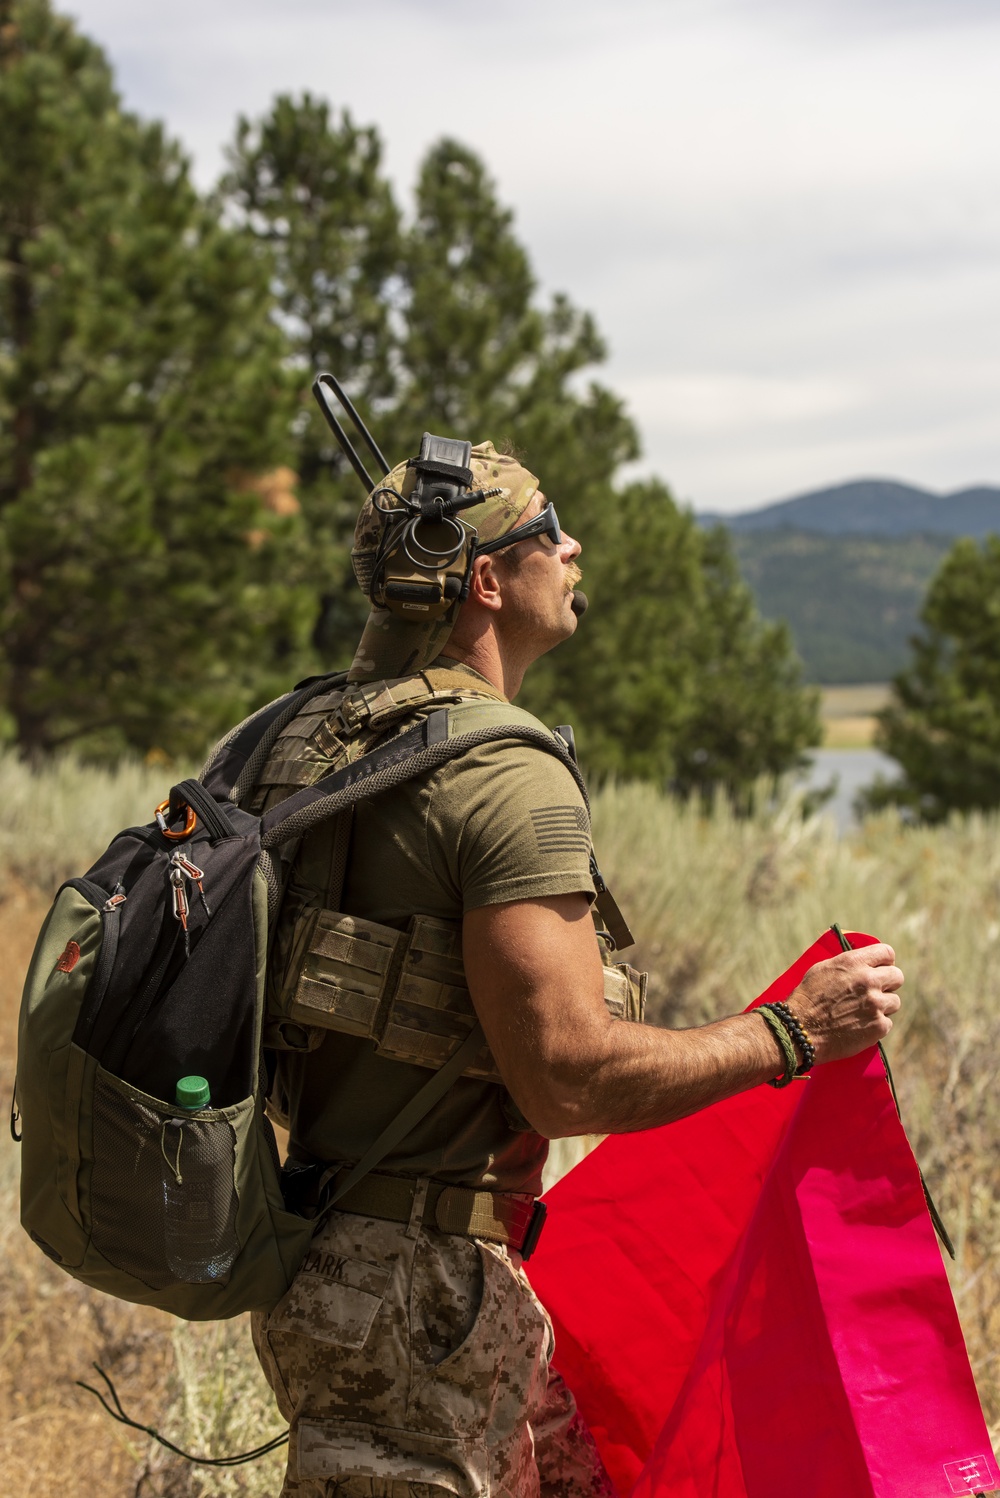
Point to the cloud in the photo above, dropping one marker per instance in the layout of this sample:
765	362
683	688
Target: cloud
723	405
782	212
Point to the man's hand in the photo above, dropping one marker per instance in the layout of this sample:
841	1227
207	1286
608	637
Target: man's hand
844	1004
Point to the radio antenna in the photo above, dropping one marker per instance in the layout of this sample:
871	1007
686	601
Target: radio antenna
319	390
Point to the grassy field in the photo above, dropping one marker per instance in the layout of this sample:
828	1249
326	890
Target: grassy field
848	714
722	905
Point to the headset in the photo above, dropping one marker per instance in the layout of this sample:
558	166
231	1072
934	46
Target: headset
424	558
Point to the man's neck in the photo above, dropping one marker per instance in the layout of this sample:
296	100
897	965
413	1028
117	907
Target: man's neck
483	656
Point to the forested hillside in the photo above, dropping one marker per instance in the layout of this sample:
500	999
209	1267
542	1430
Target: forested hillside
851	602
876	507
848	567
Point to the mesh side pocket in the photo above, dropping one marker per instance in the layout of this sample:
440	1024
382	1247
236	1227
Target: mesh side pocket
162	1193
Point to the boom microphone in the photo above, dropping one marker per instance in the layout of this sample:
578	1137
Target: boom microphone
578	603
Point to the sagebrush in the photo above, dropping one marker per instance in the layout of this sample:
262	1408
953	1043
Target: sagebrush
722	904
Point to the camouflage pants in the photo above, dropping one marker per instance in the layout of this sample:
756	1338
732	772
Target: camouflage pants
411	1363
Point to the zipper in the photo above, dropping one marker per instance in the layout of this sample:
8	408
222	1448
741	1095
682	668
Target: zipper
110	908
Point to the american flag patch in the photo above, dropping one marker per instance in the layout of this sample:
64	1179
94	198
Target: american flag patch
561	829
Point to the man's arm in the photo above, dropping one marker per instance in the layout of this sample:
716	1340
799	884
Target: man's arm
534	972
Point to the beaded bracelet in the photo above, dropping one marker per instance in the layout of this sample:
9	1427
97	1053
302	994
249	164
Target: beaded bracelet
799	1036
776	1025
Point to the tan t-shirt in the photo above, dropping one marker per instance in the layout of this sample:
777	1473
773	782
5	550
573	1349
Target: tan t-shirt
506	821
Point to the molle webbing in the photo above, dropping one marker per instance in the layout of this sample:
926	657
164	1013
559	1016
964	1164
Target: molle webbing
232	768
404	990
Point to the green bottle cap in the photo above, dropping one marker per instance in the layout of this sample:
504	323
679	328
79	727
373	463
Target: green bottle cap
192	1093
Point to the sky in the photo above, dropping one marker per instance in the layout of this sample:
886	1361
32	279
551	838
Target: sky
784	214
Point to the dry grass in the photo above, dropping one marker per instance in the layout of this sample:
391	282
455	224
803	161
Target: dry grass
863	700
722	905
849	733
849	714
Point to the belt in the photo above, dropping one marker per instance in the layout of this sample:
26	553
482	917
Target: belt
510	1217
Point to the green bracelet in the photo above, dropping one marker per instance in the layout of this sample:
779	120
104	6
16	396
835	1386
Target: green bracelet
784	1040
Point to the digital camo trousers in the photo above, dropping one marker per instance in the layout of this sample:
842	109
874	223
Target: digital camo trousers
413	1362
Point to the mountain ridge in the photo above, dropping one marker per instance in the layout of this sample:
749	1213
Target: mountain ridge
873	507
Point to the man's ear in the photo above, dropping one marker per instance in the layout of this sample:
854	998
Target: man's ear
484	585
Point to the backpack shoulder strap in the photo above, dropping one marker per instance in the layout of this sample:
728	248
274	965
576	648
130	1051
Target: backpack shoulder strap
442	736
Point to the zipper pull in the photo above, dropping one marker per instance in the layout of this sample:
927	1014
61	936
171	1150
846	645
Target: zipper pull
118	898
181	906
181	861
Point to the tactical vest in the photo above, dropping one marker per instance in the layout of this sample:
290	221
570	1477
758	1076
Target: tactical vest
403	990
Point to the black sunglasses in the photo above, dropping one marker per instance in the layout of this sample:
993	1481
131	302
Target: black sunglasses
545	524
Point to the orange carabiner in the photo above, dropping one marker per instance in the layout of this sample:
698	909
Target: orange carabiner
190	821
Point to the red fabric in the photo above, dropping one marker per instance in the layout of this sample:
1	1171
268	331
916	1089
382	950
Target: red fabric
751	1302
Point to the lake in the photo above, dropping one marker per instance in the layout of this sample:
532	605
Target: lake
852	769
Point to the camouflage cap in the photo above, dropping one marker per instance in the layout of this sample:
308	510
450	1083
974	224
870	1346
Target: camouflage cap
391	646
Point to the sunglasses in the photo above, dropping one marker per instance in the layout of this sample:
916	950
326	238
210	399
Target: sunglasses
545	524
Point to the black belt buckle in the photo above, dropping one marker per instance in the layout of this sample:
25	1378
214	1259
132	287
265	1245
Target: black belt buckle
531	1237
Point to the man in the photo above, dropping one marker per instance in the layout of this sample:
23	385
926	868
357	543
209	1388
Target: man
410	1355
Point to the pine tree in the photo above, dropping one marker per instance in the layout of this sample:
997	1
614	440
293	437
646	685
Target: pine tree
308	186
943	723
140	394
752	716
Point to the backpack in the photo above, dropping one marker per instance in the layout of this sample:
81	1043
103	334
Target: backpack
151	968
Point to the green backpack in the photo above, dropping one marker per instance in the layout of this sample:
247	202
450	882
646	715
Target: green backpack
150	969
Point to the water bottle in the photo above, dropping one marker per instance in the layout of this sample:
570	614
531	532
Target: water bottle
196	1195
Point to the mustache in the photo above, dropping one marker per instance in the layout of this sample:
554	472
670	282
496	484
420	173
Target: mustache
572	577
